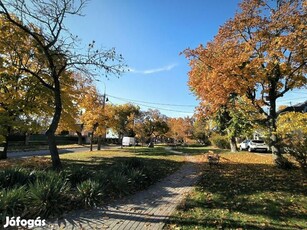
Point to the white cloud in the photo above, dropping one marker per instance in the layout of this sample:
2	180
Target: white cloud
151	71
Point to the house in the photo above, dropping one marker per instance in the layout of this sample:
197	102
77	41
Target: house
300	107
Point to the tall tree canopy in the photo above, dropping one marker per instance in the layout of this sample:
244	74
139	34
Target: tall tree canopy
54	50
121	119
261	53
22	97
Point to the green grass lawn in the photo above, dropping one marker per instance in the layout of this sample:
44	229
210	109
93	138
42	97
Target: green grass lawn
245	191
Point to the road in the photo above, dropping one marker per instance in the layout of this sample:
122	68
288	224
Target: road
45	152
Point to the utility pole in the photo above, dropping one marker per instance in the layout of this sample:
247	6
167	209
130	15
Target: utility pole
105	99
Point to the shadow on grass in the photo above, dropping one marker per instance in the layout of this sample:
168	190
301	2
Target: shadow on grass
248	196
101	163
199	150
156	151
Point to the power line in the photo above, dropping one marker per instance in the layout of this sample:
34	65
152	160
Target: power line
291	99
298	92
148	106
152	103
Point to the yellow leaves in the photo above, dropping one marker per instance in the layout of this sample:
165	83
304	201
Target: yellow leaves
247	158
292	122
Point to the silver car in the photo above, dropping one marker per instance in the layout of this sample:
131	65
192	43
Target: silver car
258	145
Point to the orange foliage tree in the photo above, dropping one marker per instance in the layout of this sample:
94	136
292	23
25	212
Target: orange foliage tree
181	129
261	53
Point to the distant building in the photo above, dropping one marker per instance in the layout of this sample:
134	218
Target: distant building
300	107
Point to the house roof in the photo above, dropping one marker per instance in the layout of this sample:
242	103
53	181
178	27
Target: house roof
300	107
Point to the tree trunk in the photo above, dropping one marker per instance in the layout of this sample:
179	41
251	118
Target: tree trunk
91	141
233	144
56	162
79	138
279	160
99	142
3	149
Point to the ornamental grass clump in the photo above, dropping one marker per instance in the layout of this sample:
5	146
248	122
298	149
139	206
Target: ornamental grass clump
76	175
13	177
12	202
49	197
89	193
119	185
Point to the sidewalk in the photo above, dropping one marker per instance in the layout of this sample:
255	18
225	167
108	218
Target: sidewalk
62	150
147	209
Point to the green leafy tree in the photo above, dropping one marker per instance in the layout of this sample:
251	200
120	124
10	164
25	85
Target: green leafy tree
122	119
201	130
151	124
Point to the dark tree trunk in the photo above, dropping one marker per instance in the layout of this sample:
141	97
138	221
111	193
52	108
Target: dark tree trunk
279	160
79	138
56	162
99	142
91	141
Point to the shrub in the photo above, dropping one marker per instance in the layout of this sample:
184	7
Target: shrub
220	141
13	177
38	175
89	193
12	202
76	175
137	178
119	184
48	197
134	163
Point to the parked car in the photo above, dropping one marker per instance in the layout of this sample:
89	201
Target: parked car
254	145
244	145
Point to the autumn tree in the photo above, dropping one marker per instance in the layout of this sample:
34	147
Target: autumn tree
93	117
122	119
293	130
259	54
55	50
22	98
21	107
151	124
181	129
75	95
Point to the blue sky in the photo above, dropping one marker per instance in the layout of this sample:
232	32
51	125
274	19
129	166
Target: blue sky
150	34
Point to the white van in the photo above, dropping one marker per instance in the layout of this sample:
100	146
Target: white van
128	141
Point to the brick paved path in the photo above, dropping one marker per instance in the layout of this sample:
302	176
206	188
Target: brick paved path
148	209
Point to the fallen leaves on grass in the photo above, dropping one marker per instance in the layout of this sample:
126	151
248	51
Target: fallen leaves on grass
245	191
